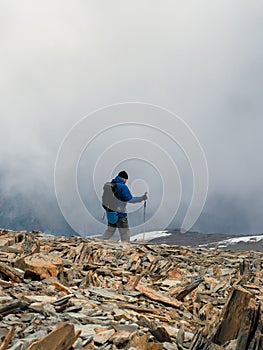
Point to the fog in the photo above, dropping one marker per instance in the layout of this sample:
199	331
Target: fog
61	60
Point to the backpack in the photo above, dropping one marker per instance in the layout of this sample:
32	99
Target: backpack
109	200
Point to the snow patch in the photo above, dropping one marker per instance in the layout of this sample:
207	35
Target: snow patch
148	236
232	241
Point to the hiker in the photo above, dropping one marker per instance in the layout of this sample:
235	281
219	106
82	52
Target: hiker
116	210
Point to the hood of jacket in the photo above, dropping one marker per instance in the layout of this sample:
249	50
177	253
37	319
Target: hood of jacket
118	180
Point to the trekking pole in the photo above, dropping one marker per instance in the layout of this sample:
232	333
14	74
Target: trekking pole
144	218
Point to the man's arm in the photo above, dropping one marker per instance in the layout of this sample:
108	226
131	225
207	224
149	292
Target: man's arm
139	199
136	199
127	196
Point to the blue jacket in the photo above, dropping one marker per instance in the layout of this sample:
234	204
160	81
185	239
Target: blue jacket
124	195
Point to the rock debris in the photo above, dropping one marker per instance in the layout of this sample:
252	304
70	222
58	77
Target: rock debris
61	293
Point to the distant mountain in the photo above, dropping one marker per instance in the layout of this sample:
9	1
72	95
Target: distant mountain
205	240
21	212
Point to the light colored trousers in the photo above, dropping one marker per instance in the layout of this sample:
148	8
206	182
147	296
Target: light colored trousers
123	227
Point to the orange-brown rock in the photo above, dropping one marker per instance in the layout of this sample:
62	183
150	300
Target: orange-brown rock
61	338
41	265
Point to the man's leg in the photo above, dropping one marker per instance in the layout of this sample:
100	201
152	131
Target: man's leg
109	232
124	230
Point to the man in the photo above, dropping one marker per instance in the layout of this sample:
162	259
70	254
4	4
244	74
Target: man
118	218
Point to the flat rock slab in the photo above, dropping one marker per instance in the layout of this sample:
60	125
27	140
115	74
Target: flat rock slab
61	338
87	330
39	298
120	337
103	337
41	265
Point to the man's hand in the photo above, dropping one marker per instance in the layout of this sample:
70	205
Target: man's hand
144	196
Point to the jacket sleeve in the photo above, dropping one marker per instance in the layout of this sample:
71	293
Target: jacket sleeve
127	196
136	200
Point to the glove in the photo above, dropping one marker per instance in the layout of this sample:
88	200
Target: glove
144	197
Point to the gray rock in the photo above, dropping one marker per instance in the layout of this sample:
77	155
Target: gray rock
19	345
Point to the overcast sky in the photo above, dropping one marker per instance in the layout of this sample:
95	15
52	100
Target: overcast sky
61	60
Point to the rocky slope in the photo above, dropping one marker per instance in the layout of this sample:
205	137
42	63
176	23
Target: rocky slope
60	293
209	240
